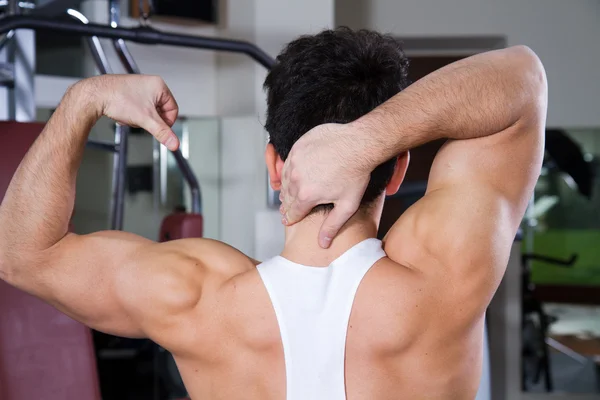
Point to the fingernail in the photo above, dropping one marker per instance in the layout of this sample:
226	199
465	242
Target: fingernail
325	242
171	143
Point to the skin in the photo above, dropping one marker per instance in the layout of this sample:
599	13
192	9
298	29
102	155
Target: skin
416	325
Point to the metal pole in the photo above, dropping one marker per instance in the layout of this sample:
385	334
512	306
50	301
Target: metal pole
121	139
159	182
92	144
118	183
13	7
139	35
191	179
94	44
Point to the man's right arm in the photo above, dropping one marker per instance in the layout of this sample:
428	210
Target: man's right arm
492	108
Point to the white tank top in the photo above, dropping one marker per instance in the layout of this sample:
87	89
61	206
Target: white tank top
313	306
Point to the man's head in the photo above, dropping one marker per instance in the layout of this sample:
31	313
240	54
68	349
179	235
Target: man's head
335	76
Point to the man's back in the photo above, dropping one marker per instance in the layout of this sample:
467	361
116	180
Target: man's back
401	340
415	327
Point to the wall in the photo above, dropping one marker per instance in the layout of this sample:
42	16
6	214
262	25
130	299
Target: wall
563	33
204	147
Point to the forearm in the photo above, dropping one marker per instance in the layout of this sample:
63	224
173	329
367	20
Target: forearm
474	97
38	204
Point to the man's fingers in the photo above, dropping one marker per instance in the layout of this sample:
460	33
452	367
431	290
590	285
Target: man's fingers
161	131
296	211
334	222
167	107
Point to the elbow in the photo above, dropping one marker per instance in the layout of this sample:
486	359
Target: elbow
531	73
532	85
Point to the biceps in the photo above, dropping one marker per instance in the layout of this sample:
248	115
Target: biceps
82	277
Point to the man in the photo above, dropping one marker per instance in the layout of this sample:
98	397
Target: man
332	319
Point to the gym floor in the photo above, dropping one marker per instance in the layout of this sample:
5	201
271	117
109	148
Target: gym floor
578	329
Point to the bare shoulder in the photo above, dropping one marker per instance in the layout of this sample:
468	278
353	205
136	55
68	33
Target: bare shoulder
183	280
214	255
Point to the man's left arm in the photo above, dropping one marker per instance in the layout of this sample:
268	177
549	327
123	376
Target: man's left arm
115	282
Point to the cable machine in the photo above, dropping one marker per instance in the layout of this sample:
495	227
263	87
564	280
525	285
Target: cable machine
144	34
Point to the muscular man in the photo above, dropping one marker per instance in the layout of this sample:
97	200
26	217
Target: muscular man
338	320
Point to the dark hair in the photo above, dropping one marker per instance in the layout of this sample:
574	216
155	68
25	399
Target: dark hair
335	76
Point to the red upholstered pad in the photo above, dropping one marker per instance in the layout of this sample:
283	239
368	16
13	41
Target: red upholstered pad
181	226
15	140
43	353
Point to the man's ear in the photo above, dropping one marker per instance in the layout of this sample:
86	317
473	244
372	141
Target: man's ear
399	173
274	166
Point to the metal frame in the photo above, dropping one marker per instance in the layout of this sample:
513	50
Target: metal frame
143	35
132	68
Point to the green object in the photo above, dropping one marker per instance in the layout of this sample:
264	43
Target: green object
562	244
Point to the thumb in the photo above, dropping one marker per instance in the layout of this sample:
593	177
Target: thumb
158	128
334	222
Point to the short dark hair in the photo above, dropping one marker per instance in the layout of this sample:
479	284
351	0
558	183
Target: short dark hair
335	76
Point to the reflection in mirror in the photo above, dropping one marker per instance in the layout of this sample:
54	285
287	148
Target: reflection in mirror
561	268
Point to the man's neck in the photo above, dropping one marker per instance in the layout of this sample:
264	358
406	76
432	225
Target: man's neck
301	239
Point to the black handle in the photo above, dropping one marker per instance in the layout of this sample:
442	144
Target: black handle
551	260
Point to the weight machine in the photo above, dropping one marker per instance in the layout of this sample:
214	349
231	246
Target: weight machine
144	34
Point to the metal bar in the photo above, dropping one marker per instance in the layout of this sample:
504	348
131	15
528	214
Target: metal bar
21	4
190	178
139	35
94	44
13	7
162	171
5	39
556	345
125	56
118	181
144	35
93	144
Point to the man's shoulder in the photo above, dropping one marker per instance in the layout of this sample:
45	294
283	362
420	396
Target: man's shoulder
216	255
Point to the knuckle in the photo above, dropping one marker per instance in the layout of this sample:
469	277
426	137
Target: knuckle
294	175
330	231
157	80
304	195
347	209
164	134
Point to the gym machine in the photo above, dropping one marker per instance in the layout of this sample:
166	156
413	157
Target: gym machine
145	34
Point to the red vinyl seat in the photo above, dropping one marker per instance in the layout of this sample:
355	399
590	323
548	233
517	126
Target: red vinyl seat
43	353
180	225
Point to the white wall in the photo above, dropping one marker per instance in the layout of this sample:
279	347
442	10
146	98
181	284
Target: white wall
204	147
563	33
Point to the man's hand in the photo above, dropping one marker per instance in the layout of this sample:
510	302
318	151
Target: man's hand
325	166
136	100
